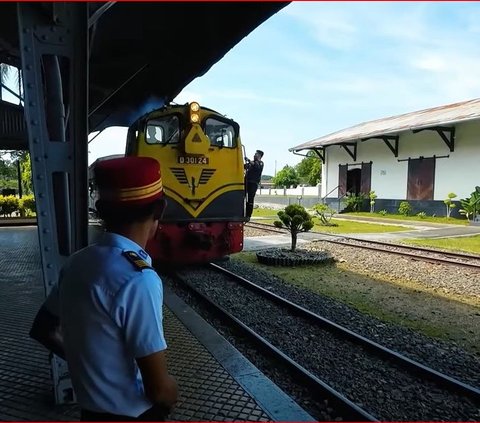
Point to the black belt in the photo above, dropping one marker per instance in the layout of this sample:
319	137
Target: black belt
154	414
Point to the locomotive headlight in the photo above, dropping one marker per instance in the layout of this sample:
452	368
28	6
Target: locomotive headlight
194	118
194	107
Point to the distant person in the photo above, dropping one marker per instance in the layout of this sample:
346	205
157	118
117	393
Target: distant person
152	135
105	315
253	174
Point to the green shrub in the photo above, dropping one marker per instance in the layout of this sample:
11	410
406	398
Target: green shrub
405	208
27	205
9	204
471	205
422	215
354	203
373	197
383	212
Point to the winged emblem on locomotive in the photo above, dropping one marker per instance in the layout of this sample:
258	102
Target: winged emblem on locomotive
193	183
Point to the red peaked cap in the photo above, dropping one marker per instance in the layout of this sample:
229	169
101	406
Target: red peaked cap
129	181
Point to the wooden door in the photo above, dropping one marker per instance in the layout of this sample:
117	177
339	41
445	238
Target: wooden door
342	179
366	178
421	178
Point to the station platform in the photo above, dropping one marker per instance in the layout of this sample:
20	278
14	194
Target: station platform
216	382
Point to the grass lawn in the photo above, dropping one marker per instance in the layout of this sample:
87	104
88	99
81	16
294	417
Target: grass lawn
264	212
470	244
349	227
406	302
451	221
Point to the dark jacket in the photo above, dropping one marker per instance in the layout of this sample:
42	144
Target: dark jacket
254	171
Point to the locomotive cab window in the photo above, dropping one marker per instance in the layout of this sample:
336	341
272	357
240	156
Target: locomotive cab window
220	134
163	130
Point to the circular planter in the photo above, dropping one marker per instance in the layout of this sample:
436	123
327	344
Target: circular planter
284	257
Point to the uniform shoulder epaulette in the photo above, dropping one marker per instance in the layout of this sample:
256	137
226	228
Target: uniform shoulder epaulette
136	260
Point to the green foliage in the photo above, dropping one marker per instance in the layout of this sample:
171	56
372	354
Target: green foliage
354	203
296	219
309	170
325	214
26	175
471	206
28	203
449	204
422	215
8	204
8	171
286	177
405	208
383	212
372	197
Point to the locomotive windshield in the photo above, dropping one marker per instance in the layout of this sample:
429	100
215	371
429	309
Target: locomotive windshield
163	130
220	133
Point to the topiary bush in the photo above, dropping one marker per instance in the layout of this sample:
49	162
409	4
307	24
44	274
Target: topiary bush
296	219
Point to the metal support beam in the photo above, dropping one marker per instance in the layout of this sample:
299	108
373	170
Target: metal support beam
447	134
55	74
387	139
351	153
320	153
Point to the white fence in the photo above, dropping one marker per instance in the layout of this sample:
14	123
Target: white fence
314	191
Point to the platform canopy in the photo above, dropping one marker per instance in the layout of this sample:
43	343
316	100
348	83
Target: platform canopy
436	117
145	53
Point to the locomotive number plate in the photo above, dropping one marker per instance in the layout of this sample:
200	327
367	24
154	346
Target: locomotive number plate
192	160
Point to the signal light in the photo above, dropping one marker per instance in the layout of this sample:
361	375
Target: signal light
194	107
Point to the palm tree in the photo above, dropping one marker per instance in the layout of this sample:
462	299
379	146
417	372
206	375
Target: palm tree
5	71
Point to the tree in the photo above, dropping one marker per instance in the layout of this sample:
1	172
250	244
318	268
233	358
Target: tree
8	173
296	219
309	169
286	177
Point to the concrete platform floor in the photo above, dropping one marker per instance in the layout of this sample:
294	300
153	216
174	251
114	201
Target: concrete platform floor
216	382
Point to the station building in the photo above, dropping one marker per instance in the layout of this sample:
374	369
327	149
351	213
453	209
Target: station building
419	157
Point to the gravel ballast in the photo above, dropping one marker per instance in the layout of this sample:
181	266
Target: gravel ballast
321	352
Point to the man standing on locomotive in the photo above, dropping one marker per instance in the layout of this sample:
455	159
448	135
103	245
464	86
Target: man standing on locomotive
253	175
105	315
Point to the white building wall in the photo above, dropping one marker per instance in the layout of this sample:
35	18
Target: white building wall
459	173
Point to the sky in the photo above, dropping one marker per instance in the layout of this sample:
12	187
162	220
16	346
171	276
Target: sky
319	67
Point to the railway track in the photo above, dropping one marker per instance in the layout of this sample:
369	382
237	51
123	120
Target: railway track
415	253
391	362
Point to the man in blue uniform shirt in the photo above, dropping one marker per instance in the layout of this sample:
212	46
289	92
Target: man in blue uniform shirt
105	317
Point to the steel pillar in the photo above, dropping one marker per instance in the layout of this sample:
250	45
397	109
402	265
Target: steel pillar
53	43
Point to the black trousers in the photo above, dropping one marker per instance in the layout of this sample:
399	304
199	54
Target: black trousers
154	414
251	190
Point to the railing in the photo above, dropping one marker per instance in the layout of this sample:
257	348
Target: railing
326	195
338	199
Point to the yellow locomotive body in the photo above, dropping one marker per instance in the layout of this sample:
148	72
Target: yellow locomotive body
201	160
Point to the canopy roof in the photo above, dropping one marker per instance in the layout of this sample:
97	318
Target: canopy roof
443	115
153	49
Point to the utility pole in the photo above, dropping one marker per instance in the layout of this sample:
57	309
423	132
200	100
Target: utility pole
275	174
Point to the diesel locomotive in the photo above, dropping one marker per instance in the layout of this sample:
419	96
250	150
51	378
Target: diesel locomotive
201	158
